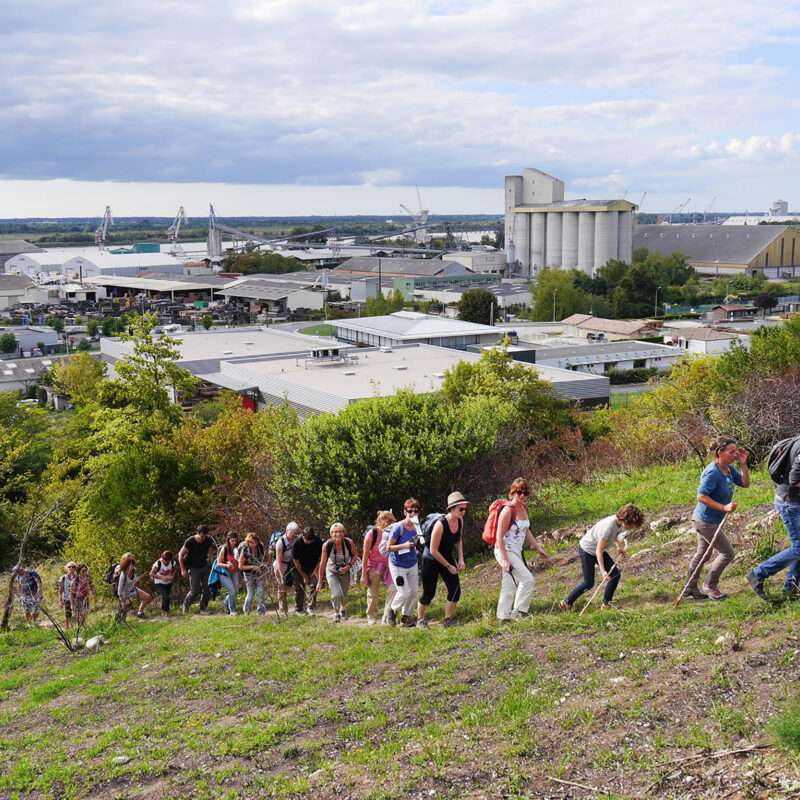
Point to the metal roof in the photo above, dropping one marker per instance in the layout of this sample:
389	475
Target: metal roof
11	282
400	267
161	282
707	244
17	246
413	325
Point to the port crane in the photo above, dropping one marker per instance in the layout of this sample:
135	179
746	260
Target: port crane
175	228
101	234
708	210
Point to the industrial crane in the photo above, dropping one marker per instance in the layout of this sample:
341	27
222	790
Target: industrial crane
101	234
175	228
711	205
421	219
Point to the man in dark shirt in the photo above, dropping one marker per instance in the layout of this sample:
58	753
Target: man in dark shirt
193	558
306	555
787	504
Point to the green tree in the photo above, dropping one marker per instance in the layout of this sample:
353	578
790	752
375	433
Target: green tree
208	321
84	345
478	305
538	409
8	343
555	283
57	324
378	451
149	375
79	376
92	327
765	301
109	326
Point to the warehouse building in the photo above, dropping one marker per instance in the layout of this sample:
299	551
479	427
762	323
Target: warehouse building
726	250
14	247
400	267
315	384
20	289
410	327
541	228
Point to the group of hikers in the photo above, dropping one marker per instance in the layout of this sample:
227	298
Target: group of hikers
402	554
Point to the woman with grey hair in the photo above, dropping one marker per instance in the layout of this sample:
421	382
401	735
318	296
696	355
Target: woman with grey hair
338	556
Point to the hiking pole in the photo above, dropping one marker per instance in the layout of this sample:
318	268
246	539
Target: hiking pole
696	572
599	587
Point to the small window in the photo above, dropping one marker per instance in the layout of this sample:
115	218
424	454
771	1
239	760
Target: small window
639	363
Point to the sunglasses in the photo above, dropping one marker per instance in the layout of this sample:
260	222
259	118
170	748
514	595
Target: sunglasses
522	492
412	510
461	509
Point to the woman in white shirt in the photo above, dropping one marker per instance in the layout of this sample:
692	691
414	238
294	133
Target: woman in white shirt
513	530
163	573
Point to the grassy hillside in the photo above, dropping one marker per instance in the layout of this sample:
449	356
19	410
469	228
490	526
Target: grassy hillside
645	701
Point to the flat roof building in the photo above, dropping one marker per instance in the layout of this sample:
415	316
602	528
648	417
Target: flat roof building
400	267
377	372
410	327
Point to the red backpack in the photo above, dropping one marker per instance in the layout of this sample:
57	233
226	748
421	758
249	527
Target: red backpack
490	528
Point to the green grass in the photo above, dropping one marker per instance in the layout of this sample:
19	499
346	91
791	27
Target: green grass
323	329
215	707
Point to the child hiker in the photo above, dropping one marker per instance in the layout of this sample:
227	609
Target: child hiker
593	551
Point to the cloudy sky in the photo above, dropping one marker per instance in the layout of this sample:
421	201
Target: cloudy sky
320	107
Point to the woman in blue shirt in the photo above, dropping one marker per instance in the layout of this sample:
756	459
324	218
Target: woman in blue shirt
714	501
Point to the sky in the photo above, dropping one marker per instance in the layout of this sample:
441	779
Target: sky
271	107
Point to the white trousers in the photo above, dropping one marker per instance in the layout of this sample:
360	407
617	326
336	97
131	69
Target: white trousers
407	583
516	588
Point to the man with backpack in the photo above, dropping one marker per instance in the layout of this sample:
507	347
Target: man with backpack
783	466
193	558
306	555
284	565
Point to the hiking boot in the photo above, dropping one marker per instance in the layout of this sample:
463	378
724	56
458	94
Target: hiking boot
422	624
565	606
694	592
337	617
309	612
141	615
607	606
343	615
756	585
261	610
371	620
450	622
391	617
715	594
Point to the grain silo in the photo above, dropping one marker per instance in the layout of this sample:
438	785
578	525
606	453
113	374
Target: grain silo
545	229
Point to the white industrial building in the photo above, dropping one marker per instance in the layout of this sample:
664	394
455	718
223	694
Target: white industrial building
18	289
541	228
314	383
88	262
410	327
491	261
705	341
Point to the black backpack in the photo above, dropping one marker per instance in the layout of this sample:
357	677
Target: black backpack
112	577
779	462
427	527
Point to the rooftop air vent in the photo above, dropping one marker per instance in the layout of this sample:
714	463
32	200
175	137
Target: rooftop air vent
249	342
400	367
349	372
437	374
385	349
227	352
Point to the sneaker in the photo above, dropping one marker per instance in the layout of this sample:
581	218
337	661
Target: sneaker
141	615
565	607
422	624
756	585
261	610
505	621
523	614
371	620
513	616
716	594
409	622
309	612
343	615
391	617
233	613
226	606
607	606
694	592
337	617
450	622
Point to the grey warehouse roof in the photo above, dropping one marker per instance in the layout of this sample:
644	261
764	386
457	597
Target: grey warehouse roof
16	282
17	246
412	267
731	244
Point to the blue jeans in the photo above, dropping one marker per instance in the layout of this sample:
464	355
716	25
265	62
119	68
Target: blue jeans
254	584
588	564
790	557
231	584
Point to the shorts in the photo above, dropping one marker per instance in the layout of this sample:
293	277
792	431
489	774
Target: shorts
30	604
67	609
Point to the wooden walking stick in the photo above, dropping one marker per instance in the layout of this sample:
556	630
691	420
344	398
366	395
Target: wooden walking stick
694	575
599	587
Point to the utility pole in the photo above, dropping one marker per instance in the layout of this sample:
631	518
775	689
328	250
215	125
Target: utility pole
554	304
655	308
